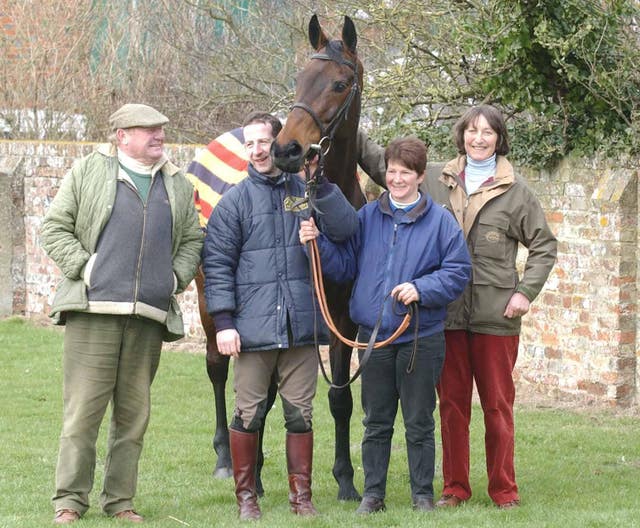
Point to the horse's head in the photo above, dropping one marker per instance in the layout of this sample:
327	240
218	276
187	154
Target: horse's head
327	99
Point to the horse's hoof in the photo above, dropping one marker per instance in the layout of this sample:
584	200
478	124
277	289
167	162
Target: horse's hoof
348	493
222	473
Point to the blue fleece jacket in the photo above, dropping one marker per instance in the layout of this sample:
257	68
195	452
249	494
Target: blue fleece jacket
424	246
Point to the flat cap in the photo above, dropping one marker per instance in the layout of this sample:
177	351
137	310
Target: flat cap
136	115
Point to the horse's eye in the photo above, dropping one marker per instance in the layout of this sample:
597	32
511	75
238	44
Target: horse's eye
339	86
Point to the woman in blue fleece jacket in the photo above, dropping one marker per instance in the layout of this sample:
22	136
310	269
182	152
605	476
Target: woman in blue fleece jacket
410	247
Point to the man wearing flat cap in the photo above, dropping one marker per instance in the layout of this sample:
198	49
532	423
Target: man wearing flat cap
124	232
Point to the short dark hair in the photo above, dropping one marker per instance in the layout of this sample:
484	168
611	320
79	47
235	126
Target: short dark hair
410	151
496	122
265	118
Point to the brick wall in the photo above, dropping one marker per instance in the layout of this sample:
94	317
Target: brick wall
578	341
580	336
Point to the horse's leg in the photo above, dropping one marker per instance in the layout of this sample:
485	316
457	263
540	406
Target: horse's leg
341	400
217	370
271	397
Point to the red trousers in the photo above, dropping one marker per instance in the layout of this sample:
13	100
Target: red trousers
489	360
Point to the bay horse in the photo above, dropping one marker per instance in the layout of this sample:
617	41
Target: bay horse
326	113
327	100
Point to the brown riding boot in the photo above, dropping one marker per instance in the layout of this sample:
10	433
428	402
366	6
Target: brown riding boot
299	457
244	454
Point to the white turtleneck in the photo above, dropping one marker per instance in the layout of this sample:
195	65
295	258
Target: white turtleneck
400	205
478	172
136	166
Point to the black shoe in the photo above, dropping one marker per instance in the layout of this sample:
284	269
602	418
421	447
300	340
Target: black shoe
424	504
371	505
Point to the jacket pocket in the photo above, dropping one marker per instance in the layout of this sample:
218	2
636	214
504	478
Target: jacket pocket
487	309
487	273
71	295
491	239
88	268
492	255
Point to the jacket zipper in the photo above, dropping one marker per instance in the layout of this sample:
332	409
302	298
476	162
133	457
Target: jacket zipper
389	261
144	229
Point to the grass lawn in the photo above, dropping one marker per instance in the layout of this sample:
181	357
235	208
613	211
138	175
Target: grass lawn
576	468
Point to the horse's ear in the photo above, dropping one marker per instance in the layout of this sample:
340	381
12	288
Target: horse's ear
349	36
317	38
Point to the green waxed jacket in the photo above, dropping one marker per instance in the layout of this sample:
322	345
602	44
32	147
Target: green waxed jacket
501	214
81	209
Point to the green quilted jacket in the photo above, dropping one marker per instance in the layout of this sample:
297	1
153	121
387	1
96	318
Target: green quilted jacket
81	209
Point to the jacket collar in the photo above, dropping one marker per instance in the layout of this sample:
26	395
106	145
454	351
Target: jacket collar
452	170
418	211
466	207
265	179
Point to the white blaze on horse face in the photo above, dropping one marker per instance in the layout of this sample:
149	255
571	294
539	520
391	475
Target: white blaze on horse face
258	138
402	182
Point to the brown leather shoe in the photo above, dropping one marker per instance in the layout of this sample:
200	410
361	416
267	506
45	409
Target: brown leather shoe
515	503
129	515
66	516
449	501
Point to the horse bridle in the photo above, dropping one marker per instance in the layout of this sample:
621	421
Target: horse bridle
327	132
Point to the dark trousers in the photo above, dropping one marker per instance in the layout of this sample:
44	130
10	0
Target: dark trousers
385	380
489	360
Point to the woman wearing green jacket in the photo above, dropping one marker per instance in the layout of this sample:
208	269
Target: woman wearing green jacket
497	212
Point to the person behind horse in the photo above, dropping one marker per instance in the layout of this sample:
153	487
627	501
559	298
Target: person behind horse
257	289
497	212
412	248
124	232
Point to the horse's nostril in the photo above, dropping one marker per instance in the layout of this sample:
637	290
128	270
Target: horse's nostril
287	157
292	150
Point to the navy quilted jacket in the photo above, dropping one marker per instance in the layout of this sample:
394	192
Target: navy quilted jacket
254	265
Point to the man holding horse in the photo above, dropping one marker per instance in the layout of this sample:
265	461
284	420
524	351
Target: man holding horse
124	232
257	289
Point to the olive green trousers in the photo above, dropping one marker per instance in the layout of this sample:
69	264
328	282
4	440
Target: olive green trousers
107	359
